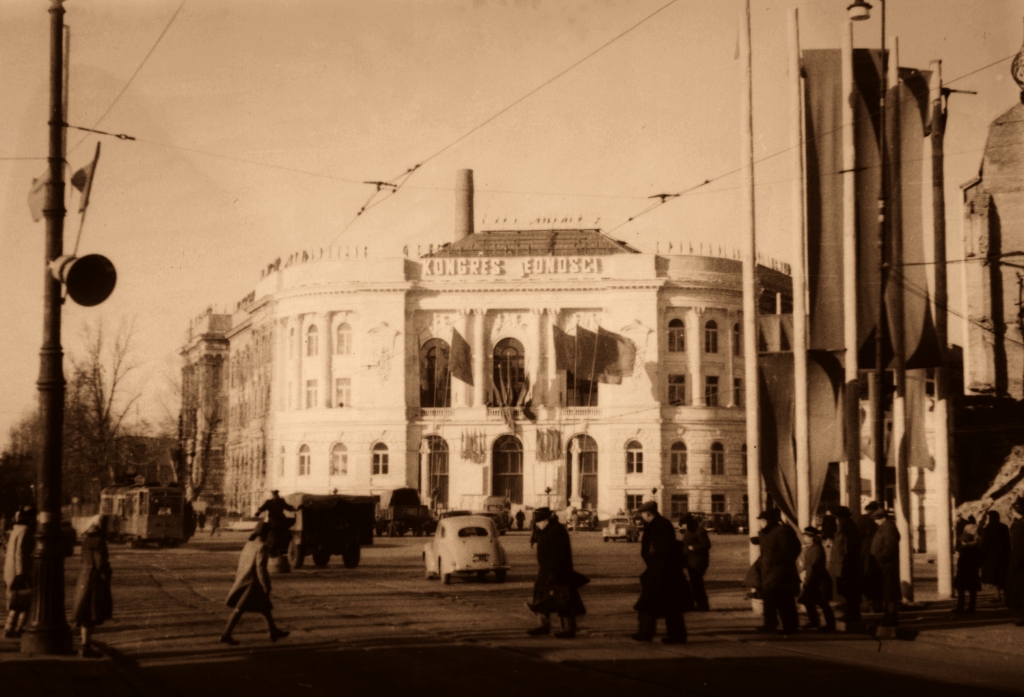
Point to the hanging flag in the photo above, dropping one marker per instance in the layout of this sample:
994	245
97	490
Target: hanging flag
37	196
586	355
565	349
778	444
83	178
461	361
615	357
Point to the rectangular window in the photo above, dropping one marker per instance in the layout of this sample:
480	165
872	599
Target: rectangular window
343	392
711	390
634	461
633	502
677	390
310	394
718	503
737	391
680	505
380	463
929	382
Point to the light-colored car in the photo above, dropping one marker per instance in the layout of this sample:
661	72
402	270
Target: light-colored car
465	546
620	528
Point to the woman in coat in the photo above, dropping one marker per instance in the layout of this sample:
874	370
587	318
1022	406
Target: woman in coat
995	553
665	590
557	586
968	566
93	602
18	571
251	592
817	586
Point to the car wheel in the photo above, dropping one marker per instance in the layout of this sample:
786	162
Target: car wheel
350	557
445	578
500	575
321	558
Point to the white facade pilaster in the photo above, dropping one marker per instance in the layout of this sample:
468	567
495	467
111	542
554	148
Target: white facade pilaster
695	354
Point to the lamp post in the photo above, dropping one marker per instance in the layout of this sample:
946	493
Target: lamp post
860	11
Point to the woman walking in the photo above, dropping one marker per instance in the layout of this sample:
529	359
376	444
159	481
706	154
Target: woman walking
18	571
93	601
251	592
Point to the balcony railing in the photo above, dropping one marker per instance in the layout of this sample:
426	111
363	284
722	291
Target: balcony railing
436	413
580	412
494	413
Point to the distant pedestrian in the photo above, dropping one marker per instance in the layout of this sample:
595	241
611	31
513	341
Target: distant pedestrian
844	565
93	602
871	573
665	591
520	519
995	553
251	591
279	537
885	548
968	566
201	520
1015	580
817	585
697	550
214	524
780	582
557	586
21	542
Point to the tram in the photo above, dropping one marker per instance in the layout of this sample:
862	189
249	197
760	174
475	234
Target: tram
145	513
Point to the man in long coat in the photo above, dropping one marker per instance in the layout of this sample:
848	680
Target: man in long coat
665	591
885	548
697	548
871	575
251	591
557	586
995	553
1015	580
780	582
845	564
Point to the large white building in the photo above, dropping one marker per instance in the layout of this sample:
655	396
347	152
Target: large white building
337	375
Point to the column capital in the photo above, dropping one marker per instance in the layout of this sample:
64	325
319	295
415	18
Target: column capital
698	311
479	311
537	311
553	311
464	311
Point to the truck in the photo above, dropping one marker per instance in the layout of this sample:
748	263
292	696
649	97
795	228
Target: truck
400	510
498	508
329	524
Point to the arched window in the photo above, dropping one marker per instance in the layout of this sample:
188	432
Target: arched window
304	461
634	457
437	471
711	337
380	459
339	460
717	458
509	374
676	336
677	458
312	340
343	342
280	464
736	339
743	459
435	375
507	460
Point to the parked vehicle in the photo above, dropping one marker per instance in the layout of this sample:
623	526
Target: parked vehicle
400	510
498	508
465	546
621	528
716	522
143	513
330	524
585	519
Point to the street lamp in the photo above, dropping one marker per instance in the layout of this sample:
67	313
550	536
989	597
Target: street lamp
859	11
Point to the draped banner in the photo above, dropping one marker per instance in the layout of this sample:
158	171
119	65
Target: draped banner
461	360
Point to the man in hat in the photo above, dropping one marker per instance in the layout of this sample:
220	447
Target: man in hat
275	507
251	590
1015	579
697	549
885	548
780	582
871	574
557	586
817	586
665	591
845	565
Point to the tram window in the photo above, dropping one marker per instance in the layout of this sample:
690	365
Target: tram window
162	503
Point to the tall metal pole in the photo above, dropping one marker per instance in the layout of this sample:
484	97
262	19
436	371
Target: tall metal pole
883	268
48	631
750	377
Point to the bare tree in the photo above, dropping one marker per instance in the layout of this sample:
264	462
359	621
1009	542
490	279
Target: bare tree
199	424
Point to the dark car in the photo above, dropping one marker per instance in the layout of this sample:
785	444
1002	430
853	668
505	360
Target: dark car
584	519
326	525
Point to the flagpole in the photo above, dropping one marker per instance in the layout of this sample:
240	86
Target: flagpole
943	522
753	404
803	486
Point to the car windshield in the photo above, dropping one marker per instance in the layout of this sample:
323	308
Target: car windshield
473	532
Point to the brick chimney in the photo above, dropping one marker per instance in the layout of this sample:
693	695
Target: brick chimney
463	204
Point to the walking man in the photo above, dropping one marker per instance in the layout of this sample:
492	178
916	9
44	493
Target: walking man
780	582
251	591
696	547
665	591
557	586
845	565
885	548
871	574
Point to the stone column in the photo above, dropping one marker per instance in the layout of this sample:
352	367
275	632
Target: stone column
533	355
480	317
424	472
730	368
576	501
327	374
552	380
695	353
281	364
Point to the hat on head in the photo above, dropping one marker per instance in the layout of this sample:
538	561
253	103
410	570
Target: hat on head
811	530
880	513
275	491
542	513
843	512
648	507
770	514
872	506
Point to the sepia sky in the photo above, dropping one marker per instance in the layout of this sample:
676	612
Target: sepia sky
256	122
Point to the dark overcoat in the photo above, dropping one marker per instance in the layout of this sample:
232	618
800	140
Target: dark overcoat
557	586
995	553
968	563
871	573
696	547
665	590
93	601
885	548
1015	579
251	591
844	565
817	587
780	549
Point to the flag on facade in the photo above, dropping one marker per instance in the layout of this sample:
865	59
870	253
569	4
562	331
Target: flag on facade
83	178
461	364
37	196
586	355
565	349
615	357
